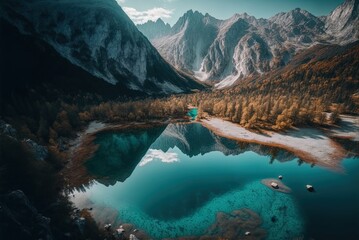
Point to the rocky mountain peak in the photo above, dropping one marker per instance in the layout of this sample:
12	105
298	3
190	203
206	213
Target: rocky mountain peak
344	14
224	51
343	21
160	21
190	17
296	16
153	30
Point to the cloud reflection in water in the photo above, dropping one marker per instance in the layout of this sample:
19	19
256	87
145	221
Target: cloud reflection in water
155	154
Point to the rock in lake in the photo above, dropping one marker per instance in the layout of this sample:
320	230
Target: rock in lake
108	226
310	188
276	185
133	237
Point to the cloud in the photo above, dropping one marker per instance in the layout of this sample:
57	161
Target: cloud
139	17
154	154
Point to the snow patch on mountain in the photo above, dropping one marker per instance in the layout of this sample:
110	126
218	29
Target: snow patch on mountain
225	51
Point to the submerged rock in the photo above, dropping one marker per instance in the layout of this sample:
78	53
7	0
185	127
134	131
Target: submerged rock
236	225
239	224
20	219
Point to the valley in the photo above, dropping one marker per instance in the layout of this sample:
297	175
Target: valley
118	124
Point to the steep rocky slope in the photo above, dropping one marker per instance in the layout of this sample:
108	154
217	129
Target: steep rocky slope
223	51
98	37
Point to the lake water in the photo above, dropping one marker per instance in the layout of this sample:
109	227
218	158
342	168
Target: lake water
192	113
172	181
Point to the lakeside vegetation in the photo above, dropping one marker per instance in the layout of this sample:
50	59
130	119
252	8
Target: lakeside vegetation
299	95
296	95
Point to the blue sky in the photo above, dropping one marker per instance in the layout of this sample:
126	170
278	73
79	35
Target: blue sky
170	10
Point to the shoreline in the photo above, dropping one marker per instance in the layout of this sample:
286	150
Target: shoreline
84	147
308	144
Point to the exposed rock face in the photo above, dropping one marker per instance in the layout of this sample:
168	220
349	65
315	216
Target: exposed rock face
188	41
20	220
223	51
40	152
343	21
97	36
7	129
153	29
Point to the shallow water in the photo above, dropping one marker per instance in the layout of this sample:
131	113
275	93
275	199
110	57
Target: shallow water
192	113
171	182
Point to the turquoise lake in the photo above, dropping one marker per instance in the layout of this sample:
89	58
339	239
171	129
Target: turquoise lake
192	113
171	181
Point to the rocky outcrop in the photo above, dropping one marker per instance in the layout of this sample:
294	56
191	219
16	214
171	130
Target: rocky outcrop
343	21
224	51
98	37
7	129
20	220
153	29
40	152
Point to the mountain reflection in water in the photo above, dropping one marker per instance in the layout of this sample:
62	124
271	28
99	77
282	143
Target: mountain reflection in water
120	152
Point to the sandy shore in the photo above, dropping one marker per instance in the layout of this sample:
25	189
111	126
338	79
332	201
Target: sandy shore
309	144
347	128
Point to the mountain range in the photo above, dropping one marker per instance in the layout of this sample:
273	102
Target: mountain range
221	52
93	46
94	37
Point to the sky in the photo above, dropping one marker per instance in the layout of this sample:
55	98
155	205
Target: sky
169	11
